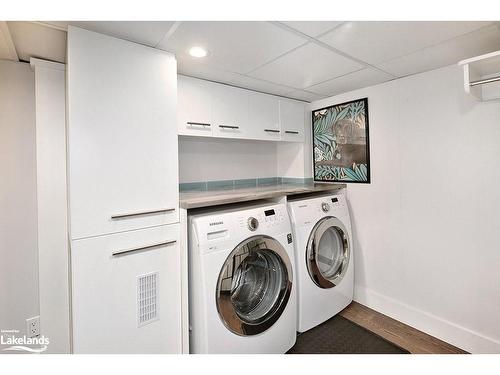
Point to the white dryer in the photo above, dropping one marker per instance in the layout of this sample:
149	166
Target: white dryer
324	257
241	281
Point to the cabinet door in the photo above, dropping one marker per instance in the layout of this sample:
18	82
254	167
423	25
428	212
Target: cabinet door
122	138
195	106
263	116
292	120
229	112
126	292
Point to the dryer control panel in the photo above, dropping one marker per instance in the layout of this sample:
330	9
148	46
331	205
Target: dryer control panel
309	211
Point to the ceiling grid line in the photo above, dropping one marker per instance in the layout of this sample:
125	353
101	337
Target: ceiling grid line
327	46
293	49
327	31
257	79
169	33
334	78
276	58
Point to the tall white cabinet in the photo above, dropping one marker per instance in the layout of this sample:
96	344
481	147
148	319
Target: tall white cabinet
123	195
122	135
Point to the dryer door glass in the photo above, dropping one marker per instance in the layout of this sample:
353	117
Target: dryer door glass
254	286
328	252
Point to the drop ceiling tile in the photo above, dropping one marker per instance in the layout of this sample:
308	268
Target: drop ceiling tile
34	40
149	33
235	46
304	95
195	68
352	81
376	42
306	66
260	85
473	44
312	28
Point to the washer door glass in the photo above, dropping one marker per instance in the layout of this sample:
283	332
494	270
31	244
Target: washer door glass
328	252
254	286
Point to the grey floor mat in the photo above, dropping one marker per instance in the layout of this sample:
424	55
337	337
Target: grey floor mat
341	336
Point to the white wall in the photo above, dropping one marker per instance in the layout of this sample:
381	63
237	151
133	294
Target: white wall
18	232
53	254
206	159
426	244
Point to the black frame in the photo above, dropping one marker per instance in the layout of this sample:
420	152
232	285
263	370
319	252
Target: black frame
368	172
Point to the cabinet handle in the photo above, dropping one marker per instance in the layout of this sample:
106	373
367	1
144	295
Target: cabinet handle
291	132
123	216
199	124
142	248
271	130
228	127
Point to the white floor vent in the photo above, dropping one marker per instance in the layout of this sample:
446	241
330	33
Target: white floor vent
147	298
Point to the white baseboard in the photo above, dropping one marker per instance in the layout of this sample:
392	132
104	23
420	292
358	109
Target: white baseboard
462	337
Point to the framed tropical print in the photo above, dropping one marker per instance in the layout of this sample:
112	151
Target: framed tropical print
341	151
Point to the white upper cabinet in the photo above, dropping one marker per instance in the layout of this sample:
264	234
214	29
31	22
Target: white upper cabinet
292	120
264	117
194	106
209	109
122	135
229	112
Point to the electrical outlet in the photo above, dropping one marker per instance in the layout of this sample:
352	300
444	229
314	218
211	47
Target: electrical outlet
33	326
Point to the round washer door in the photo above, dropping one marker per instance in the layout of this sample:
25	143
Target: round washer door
328	253
254	286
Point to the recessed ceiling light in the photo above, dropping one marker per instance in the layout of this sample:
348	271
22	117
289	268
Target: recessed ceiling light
198	52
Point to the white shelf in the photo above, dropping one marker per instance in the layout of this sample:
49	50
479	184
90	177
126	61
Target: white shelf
482	76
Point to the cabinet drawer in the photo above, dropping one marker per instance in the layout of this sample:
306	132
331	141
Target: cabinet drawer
126	292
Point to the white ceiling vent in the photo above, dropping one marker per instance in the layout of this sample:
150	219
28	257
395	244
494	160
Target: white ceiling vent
147	298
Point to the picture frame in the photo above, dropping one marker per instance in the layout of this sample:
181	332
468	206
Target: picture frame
340	140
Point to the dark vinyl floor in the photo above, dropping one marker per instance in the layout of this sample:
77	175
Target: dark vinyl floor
341	336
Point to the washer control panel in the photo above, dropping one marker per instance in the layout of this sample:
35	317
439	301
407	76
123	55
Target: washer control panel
212	230
273	216
263	219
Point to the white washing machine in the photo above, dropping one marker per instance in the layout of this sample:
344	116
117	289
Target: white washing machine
324	257
241	281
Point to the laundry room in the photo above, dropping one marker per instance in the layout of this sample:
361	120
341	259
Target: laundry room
303	185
